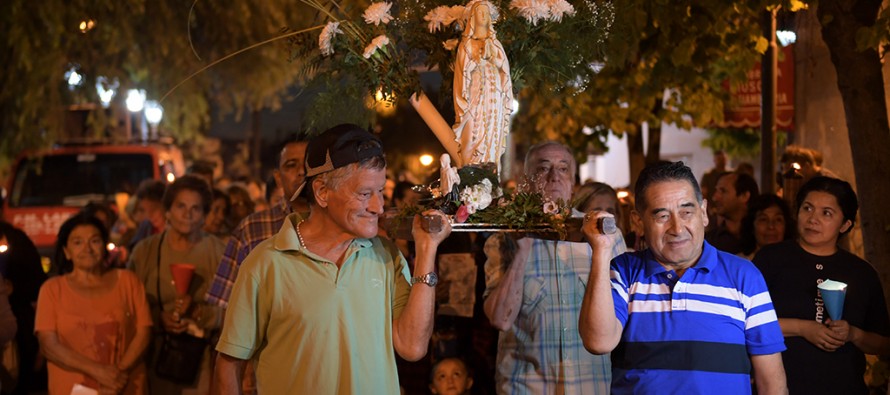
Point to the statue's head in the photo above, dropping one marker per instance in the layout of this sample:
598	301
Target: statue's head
479	14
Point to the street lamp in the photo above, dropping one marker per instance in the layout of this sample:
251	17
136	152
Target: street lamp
426	160
86	25
74	78
135	103
153	114
106	90
135	100
786	25
385	106
786	37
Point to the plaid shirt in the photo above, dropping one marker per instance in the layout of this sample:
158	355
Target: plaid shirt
254	229
542	352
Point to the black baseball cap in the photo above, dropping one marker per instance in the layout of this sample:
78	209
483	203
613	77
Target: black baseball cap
336	147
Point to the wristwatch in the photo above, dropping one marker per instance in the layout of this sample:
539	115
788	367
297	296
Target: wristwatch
430	279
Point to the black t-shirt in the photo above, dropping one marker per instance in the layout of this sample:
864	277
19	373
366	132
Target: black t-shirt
791	275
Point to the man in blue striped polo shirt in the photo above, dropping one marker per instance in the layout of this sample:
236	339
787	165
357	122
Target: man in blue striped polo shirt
681	316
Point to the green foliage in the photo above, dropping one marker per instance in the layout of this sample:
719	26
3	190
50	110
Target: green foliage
739	143
874	36
558	52
334	100
666	62
387	70
744	143
146	45
523	210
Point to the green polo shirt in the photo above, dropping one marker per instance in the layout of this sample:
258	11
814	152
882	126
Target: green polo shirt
313	329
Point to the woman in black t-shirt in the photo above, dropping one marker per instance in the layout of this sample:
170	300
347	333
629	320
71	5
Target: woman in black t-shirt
825	356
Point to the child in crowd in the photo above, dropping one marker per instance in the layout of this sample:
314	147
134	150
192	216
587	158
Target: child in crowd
450	376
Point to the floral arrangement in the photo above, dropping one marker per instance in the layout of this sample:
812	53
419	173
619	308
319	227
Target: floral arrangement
369	50
481	202
381	47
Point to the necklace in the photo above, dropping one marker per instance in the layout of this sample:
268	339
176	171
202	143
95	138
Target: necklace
300	236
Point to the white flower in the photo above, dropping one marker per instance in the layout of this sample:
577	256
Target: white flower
378	42
531	10
438	17
378	13
486	183
477	197
560	8
550	207
327	34
450	44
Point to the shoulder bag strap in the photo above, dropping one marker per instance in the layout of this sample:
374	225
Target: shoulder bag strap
160	243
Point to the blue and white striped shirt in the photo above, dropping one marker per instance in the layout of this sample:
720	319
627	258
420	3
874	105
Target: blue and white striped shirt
690	334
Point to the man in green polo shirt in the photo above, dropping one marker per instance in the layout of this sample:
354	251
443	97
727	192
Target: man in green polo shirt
323	306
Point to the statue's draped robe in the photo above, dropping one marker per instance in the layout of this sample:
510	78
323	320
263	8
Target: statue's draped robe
483	101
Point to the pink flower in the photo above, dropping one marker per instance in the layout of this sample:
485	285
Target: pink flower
532	10
327	35
378	42
441	16
463	212
378	13
559	8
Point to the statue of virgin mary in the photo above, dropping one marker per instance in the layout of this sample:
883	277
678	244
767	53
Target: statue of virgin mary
483	92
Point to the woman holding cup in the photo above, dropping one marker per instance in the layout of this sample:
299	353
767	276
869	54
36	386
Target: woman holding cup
825	356
186	202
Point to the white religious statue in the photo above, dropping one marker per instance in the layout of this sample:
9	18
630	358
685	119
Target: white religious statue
448	177
483	92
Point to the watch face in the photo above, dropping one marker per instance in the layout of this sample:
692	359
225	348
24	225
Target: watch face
430	279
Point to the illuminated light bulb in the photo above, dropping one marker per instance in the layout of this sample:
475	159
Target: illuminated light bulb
786	37
135	100
86	25
153	112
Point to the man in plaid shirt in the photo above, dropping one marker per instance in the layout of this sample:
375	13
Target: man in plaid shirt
534	289
262	225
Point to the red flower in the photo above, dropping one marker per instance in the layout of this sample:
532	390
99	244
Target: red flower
462	214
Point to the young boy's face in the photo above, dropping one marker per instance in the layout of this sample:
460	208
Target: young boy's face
450	378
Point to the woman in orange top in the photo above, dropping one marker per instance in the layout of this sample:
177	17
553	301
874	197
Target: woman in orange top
93	322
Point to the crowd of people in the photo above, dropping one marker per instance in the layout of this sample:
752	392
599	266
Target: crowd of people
706	286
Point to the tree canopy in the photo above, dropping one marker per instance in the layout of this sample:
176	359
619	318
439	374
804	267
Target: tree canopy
137	44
